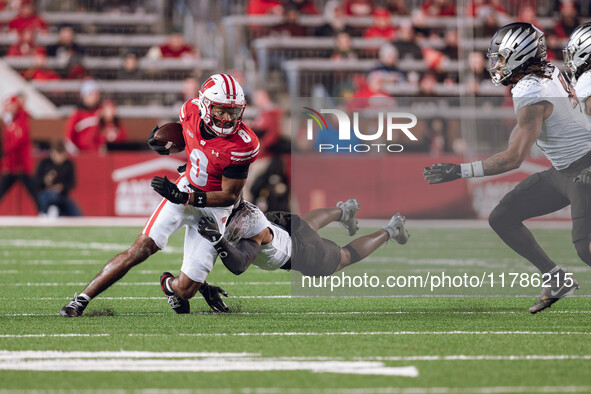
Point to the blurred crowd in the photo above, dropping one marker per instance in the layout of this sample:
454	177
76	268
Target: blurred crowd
413	57
430	51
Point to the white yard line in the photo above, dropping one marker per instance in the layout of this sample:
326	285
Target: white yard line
46	243
370	333
32	354
28	262
297	334
193	362
51	335
35	221
36	284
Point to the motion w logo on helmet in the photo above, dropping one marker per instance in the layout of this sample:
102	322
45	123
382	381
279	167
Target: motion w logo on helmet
395	122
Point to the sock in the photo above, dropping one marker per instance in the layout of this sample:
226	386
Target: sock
83	298
167	285
390	232
341	207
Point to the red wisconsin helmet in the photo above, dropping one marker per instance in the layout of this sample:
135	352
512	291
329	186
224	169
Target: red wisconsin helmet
221	104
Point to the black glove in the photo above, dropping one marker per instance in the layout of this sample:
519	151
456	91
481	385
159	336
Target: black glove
213	298
442	172
209	229
154	145
169	190
584	176
181	169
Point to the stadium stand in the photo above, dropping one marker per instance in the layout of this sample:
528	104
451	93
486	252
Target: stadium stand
290	49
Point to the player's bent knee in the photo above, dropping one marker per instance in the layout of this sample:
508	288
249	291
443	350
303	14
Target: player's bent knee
500	217
141	249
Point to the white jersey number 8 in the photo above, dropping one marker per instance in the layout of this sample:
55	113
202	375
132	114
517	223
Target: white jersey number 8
199	163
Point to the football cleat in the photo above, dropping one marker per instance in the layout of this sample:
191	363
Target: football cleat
177	304
75	307
552	294
396	229
348	210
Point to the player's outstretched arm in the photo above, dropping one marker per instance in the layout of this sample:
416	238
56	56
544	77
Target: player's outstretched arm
236	258
523	136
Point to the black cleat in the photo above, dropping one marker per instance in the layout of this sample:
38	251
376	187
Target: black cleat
177	304
552	294
75	307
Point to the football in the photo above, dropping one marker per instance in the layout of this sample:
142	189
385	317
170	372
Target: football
170	135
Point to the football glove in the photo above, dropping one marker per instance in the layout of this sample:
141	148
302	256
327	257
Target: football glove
584	176
442	172
208	228
154	145
169	190
211	294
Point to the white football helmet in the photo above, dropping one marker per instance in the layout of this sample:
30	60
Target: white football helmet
513	48
577	52
221	104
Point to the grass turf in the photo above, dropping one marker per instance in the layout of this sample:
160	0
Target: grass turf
42	268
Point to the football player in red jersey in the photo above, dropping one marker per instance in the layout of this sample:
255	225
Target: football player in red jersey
219	149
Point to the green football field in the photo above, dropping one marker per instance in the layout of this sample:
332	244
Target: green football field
130	339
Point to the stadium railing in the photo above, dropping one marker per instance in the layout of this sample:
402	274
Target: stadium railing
270	51
241	30
99	44
163	70
303	74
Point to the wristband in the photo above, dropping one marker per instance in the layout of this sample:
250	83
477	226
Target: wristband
478	169
466	170
199	199
470	170
220	246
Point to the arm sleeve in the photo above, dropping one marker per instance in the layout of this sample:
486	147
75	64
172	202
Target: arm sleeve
238	258
236	172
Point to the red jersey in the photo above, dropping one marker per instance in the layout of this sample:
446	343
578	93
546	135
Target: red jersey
207	158
34	22
167	51
40	74
22	48
82	129
16	144
376	32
